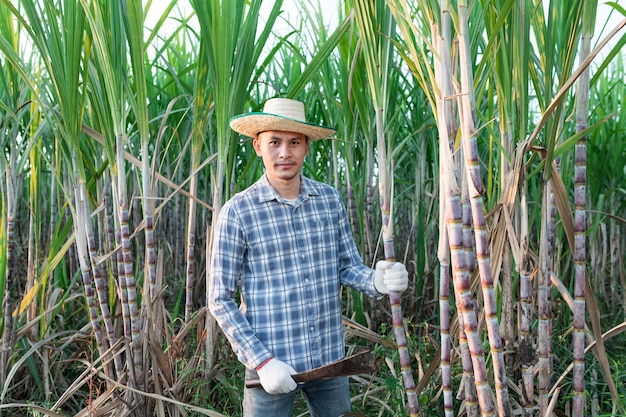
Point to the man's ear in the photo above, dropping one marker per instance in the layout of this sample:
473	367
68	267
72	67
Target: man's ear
255	144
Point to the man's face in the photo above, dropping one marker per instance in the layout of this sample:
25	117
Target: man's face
283	153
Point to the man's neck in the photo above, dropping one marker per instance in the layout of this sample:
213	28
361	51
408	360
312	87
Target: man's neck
288	189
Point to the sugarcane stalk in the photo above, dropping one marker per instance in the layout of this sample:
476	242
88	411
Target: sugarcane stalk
369	206
375	23
191	261
447	131
148	218
109	229
580	223
453	220
444	316
386	191
468	382
462	279
34	231
525	308
191	241
472	168
460	248
121	276
129	289
443	248
100	282
8	334
83	259
471	400
544	306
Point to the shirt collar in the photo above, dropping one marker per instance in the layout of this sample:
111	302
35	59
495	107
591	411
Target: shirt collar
266	192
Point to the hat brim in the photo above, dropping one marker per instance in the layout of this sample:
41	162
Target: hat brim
251	124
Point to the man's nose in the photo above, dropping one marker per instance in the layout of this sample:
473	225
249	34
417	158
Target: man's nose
284	150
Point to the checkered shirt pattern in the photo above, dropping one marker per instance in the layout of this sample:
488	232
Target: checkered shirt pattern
288	259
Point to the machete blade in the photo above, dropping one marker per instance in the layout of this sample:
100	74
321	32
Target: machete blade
360	363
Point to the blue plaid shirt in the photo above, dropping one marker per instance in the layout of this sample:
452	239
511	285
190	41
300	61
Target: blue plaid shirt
289	258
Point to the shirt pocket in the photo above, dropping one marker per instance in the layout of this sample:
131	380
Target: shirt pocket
319	230
325	239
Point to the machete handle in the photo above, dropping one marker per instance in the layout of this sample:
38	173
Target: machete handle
256	382
253	383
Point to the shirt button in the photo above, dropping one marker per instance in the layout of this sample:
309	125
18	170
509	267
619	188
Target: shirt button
312	328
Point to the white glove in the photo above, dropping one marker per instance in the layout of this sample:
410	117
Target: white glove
390	277
275	377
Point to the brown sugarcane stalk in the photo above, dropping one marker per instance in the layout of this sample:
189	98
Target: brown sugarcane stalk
369	207
109	229
462	280
448	122
376	26
475	186
127	271
8	334
100	282
131	291
83	259
469	383
544	310
148	218
471	400
33	239
447	131
444	315
453	217
525	308
191	262
386	191
443	249
191	241
121	276
580	229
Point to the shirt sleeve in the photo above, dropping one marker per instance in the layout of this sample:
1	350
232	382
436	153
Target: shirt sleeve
352	271
228	249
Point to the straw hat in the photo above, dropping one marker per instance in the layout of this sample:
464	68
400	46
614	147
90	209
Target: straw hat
279	114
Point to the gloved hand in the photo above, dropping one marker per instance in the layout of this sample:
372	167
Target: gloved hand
390	277
275	377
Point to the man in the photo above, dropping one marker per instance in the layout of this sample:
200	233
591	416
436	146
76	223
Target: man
286	243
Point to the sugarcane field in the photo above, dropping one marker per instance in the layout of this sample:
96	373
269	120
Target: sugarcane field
447	184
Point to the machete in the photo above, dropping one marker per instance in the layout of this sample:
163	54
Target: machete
360	363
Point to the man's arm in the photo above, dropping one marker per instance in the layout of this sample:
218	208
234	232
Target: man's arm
225	269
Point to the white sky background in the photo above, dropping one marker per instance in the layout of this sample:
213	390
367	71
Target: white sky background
605	21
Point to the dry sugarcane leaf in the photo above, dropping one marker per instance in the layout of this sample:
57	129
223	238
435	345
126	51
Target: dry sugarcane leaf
31	407
563	205
352	327
191	407
599	349
432	367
